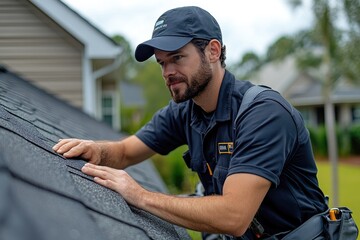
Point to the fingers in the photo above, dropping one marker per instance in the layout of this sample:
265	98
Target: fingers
65	145
117	180
105	176
93	170
100	171
74	148
105	182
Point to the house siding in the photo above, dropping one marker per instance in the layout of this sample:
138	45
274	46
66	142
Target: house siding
38	49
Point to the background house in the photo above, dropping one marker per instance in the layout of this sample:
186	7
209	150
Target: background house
58	50
304	90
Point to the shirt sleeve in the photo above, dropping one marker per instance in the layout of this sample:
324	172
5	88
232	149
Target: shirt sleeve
265	137
165	131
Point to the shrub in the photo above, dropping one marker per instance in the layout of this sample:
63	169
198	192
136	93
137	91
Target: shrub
343	140
354	133
318	140
173	170
348	140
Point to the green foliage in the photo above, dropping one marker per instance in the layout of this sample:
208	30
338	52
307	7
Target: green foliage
248	65
155	92
130	119
156	95
352	11
343	140
128	64
350	55
348	139
282	47
318	140
307	59
172	168
124	43
355	139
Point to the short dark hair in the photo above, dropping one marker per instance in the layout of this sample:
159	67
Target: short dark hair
201	44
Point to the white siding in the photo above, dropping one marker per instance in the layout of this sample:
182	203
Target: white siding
35	47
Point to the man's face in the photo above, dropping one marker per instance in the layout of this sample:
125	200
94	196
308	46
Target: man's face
186	72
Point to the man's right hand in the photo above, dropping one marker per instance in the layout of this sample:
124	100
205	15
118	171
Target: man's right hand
88	150
116	154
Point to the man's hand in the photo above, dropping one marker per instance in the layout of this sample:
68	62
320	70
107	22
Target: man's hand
117	180
86	149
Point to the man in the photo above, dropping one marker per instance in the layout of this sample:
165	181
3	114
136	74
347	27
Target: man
259	167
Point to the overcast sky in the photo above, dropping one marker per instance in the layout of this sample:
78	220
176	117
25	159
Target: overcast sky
249	25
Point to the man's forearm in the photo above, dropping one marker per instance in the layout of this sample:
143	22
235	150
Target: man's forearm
215	214
112	154
230	213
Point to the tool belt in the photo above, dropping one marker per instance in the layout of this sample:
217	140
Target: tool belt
333	224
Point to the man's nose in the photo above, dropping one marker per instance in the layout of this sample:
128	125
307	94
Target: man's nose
168	70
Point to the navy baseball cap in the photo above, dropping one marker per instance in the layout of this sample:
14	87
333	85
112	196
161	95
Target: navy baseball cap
177	27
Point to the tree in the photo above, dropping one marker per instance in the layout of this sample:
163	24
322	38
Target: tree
351	63
282	47
338	53
248	65
128	65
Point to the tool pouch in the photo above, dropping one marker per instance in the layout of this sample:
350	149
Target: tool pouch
344	227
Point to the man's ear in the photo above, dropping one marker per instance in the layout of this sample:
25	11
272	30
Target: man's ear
215	50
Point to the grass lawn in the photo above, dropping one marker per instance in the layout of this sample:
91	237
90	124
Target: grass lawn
349	185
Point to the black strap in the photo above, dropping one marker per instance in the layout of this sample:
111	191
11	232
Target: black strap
310	229
249	97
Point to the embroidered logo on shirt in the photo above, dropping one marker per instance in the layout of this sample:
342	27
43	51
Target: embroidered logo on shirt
225	147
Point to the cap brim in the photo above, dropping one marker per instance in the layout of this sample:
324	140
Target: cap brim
165	43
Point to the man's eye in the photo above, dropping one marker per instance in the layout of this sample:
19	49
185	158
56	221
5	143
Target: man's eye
177	57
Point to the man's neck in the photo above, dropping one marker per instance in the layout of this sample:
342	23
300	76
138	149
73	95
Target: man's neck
208	99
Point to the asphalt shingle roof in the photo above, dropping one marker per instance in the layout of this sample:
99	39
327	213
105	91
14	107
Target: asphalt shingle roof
43	195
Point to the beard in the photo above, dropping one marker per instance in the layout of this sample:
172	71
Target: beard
197	84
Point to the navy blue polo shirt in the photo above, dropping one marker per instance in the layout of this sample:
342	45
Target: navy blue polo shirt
268	140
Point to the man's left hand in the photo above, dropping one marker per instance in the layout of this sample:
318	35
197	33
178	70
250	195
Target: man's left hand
117	180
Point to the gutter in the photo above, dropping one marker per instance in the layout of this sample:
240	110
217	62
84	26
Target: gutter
90	79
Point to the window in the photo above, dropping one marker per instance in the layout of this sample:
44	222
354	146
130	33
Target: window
356	114
107	102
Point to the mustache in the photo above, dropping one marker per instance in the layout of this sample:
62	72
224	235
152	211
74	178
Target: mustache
175	79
